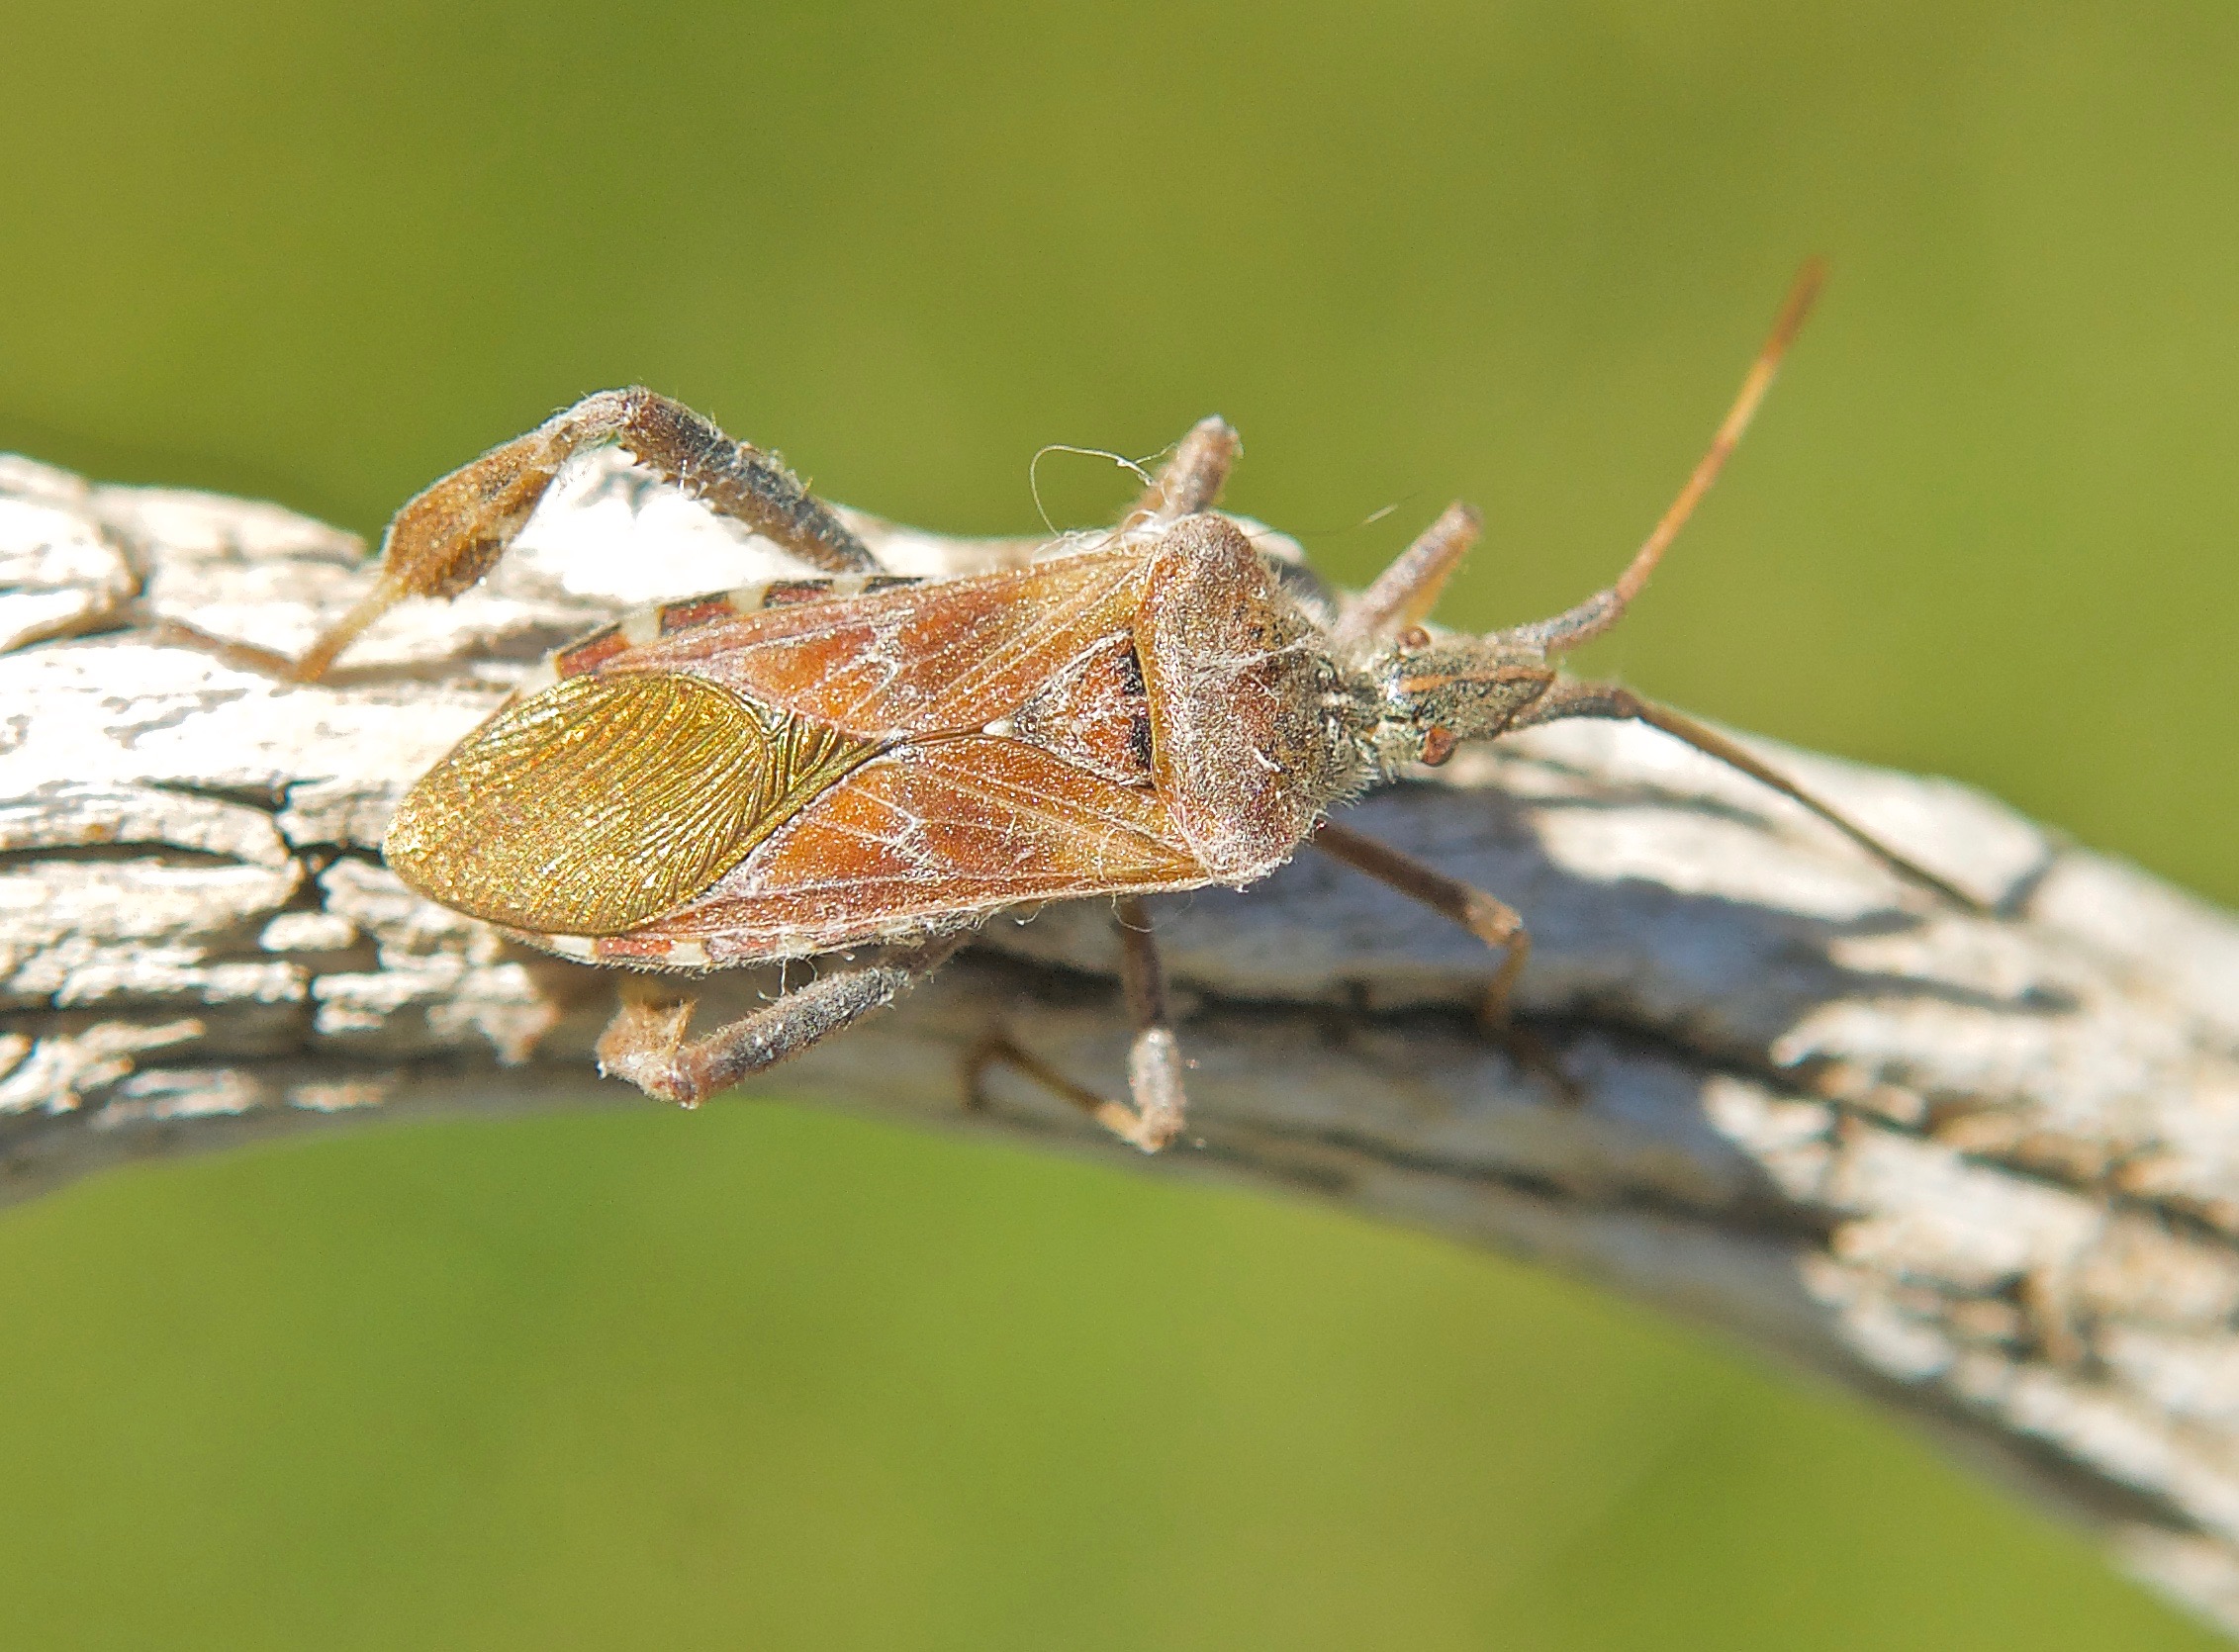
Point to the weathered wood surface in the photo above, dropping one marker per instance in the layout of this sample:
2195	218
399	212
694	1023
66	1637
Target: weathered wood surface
1983	1169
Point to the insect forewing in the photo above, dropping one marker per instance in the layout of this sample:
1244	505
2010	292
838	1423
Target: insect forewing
605	801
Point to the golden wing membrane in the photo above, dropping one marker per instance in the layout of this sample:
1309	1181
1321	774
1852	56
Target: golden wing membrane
607	800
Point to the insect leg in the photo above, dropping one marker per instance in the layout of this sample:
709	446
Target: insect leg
1154	1058
645	1042
732	478
1405	593
1589	618
1190	480
1568	697
1492	921
452	533
997	1050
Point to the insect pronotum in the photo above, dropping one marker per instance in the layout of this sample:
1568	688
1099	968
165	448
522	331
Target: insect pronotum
861	761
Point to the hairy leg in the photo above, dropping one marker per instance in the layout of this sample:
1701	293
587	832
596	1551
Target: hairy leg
1190	480
1492	921
645	1042
1154	1058
1405	593
452	533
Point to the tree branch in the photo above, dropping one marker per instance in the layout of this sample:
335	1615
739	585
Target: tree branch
1982	1170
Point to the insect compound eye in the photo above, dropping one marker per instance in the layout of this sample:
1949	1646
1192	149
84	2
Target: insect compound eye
1414	637
1438	745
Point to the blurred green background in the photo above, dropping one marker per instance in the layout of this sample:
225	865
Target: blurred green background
762	1377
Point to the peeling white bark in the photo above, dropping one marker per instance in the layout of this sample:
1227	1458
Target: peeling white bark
1984	1169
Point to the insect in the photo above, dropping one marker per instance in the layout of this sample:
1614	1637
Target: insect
813	766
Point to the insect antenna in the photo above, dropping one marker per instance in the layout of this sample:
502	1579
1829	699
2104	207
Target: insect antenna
1436	696
1589	618
1567	699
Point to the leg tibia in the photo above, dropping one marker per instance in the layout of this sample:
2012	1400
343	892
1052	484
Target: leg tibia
731	478
1153	1055
645	1042
1153	1058
999	1051
1405	593
450	536
1190	480
1492	921
453	532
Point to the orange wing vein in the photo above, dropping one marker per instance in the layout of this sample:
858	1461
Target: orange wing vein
950	830
945	658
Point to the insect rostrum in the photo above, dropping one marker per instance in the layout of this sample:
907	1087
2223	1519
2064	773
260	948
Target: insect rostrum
813	765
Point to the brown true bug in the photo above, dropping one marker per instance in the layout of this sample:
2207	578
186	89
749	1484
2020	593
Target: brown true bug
814	765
